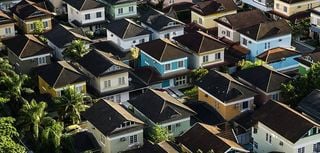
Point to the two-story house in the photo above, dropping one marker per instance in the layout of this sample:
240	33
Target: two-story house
56	77
6	25
264	36
266	81
281	59
315	23
208	138
5	5
293	10
263	5
161	25
126	34
167	59
87	14
227	95
116	9
279	128
28	12
206	50
203	13
61	36
115	129
109	78
306	61
162	109
58	6
28	53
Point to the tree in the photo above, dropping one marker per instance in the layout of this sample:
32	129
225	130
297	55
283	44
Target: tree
197	74
71	104
192	93
300	27
51	136
76	50
158	134
8	137
244	64
38	27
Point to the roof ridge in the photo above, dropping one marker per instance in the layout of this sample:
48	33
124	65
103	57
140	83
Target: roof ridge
269	79
125	32
83	4
202	39
163	50
54	84
25	45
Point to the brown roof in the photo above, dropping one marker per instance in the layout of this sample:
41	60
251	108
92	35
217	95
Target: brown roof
27	9
281	118
309	59
293	17
277	54
5	18
209	7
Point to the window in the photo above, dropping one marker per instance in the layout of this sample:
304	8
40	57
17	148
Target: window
277	6
133	139
217	56
42	60
8	30
301	150
45	24
120	11
167	36
267	45
244	41
275	96
281	143
169	127
255	130
59	93
102	139
298	6
316	147
141	41
98	14
107	84
121	81
245	105
134	41
180	64
267	136
171	1
87	16
285	9
200	20
167	67
178	125
32	26
79	89
118	98
205	58
255	144
182	80
131	9
228	33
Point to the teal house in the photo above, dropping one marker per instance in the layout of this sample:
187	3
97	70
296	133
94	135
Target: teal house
169	61
118	9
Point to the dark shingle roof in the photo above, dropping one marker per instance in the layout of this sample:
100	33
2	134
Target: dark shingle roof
224	87
209	7
267	30
309	59
199	42
281	118
277	54
60	74
264	78
5	18
84	141
97	62
311	105
83	5
160	106
125	28
107	116
27	9
162	50
28	46
206	137
110	47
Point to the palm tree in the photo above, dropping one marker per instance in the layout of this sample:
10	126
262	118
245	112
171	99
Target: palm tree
51	135
71	104
77	49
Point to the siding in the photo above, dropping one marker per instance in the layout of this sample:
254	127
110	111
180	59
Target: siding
208	21
296	7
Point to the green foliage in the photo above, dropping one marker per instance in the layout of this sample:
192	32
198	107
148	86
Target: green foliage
134	53
76	50
300	28
158	134
192	93
8	133
51	136
244	64
197	74
71	104
38	27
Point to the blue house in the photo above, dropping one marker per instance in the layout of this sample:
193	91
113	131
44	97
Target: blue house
167	59
281	59
264	36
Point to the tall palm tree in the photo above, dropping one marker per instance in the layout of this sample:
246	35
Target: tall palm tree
77	49
71	104
51	135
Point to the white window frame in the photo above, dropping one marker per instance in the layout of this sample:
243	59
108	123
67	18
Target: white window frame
87	16
120	10
107	84
167	67
42	60
133	139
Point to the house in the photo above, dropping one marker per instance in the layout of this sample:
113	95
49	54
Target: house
266	81
168	3
114	127
161	25
114	49
229	25
109	78
58	6
206	50
87	14
163	110
315	23
310	105
293	10
5	5
208	138
169	60
263	5
264	36
306	61
116	9
203	13
56	77
27	13
28	53
279	128
61	36
127	34
241	126
281	59
6	25
227	95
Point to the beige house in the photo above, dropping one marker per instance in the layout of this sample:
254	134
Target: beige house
6	25
115	129
228	96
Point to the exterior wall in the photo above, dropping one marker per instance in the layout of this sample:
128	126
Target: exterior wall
258	47
112	10
264	5
286	64
279	6
127	44
98	83
315	25
173	32
124	97
208	21
25	25
222	32
74	14
197	60
58	6
3	28
227	111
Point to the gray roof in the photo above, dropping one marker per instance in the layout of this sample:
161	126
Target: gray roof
311	105
83	5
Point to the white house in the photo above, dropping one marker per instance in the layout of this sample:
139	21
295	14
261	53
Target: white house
120	9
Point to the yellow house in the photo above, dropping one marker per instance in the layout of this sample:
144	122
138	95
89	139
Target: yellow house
27	13
293	9
203	13
55	77
6	25
228	96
